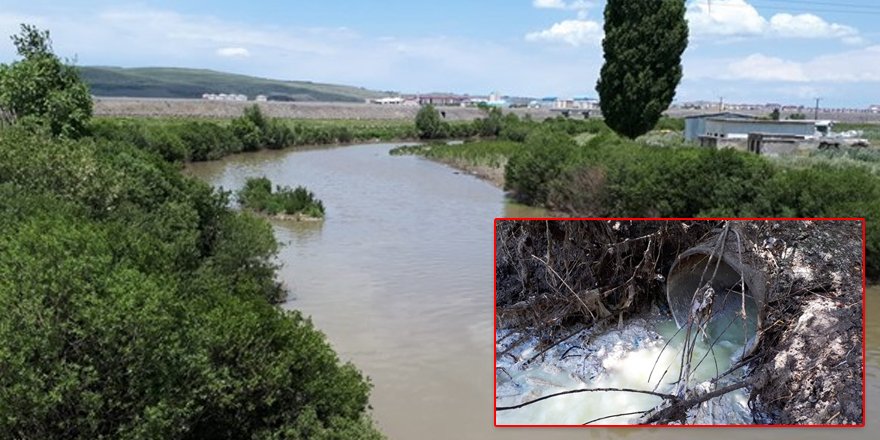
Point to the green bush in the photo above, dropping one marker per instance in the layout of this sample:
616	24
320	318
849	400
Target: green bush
257	195
41	90
613	177
492	124
138	305
278	135
530	170
672	124
249	133
429	124
208	141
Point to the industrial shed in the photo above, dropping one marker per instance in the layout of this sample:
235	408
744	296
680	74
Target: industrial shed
695	126
741	128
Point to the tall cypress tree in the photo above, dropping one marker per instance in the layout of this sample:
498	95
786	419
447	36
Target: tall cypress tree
644	41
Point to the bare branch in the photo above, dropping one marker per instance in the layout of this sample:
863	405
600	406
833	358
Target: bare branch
677	409
618	415
588	390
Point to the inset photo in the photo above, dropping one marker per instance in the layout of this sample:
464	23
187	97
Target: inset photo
722	322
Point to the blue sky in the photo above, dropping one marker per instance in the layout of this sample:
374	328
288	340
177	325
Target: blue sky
787	51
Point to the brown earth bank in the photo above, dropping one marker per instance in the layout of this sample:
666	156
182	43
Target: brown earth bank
553	277
155	107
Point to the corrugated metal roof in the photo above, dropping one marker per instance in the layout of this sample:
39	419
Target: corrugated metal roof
764	121
714	115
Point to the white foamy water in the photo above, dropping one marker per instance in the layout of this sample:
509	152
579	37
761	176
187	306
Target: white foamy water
614	358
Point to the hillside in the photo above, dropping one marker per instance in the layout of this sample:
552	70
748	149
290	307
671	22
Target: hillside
166	82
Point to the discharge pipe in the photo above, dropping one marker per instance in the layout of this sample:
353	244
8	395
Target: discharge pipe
739	284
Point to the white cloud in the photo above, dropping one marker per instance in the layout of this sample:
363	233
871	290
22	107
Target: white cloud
724	18
233	52
574	5
582	7
857	66
573	32
738	18
549	4
808	26
853	66
764	68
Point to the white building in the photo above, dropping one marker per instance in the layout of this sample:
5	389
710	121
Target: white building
395	100
224	97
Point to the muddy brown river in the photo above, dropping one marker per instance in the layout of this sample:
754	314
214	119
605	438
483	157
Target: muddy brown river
399	278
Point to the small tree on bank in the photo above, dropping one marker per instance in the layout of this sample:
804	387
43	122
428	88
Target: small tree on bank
428	123
43	90
643	44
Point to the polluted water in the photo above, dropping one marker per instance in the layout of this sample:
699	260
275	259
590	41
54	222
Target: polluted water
643	353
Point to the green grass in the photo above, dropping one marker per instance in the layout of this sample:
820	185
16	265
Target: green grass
167	82
867	158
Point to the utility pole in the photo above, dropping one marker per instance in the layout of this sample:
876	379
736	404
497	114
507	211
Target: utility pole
816	114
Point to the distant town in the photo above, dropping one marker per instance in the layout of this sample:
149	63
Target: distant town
574	103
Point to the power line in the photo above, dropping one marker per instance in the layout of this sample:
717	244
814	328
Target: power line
788	9
820	3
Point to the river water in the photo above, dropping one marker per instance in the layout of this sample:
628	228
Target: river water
399	278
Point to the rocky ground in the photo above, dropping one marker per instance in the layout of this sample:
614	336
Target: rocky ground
811	351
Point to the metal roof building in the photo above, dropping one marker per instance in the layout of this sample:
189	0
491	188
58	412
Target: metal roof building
734	127
695	126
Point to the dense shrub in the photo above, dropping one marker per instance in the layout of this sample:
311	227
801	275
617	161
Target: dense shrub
529	171
41	91
610	176
173	141
256	131
429	124
250	135
491	125
137	305
207	141
257	194
667	123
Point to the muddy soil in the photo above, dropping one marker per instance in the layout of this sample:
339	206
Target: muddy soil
555	277
812	342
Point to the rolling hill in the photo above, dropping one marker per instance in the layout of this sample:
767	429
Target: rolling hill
167	82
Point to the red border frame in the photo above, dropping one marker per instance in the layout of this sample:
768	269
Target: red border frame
495	321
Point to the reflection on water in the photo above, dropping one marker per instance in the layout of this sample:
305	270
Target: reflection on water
399	277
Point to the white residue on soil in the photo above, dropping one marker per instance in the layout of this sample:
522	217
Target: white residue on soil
609	358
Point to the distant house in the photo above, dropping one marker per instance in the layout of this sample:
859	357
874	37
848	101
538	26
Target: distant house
695	126
874	108
224	97
261	98
389	101
441	99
